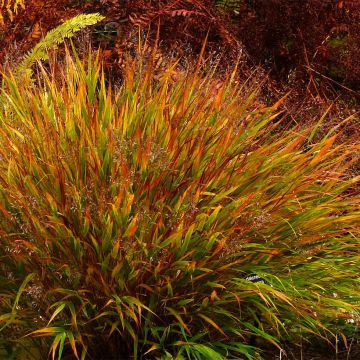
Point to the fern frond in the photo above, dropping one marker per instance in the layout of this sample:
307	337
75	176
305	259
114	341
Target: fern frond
55	37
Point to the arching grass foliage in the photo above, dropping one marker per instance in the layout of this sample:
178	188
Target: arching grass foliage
130	217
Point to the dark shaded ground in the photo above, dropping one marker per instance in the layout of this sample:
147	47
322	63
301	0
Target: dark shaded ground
321	352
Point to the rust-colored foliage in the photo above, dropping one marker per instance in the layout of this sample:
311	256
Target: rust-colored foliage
305	35
300	42
184	23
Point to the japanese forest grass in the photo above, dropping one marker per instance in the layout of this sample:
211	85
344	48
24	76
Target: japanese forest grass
131	216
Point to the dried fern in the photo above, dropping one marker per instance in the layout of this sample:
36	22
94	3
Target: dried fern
11	7
174	8
56	36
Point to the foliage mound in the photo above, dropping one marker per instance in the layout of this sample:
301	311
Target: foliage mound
132	217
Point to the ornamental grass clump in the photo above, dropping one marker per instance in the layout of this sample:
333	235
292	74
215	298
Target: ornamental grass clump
133	217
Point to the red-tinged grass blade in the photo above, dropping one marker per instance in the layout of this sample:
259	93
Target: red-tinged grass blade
212	323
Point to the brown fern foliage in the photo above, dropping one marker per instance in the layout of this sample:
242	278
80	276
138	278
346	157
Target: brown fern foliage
184	24
9	8
298	42
302	37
